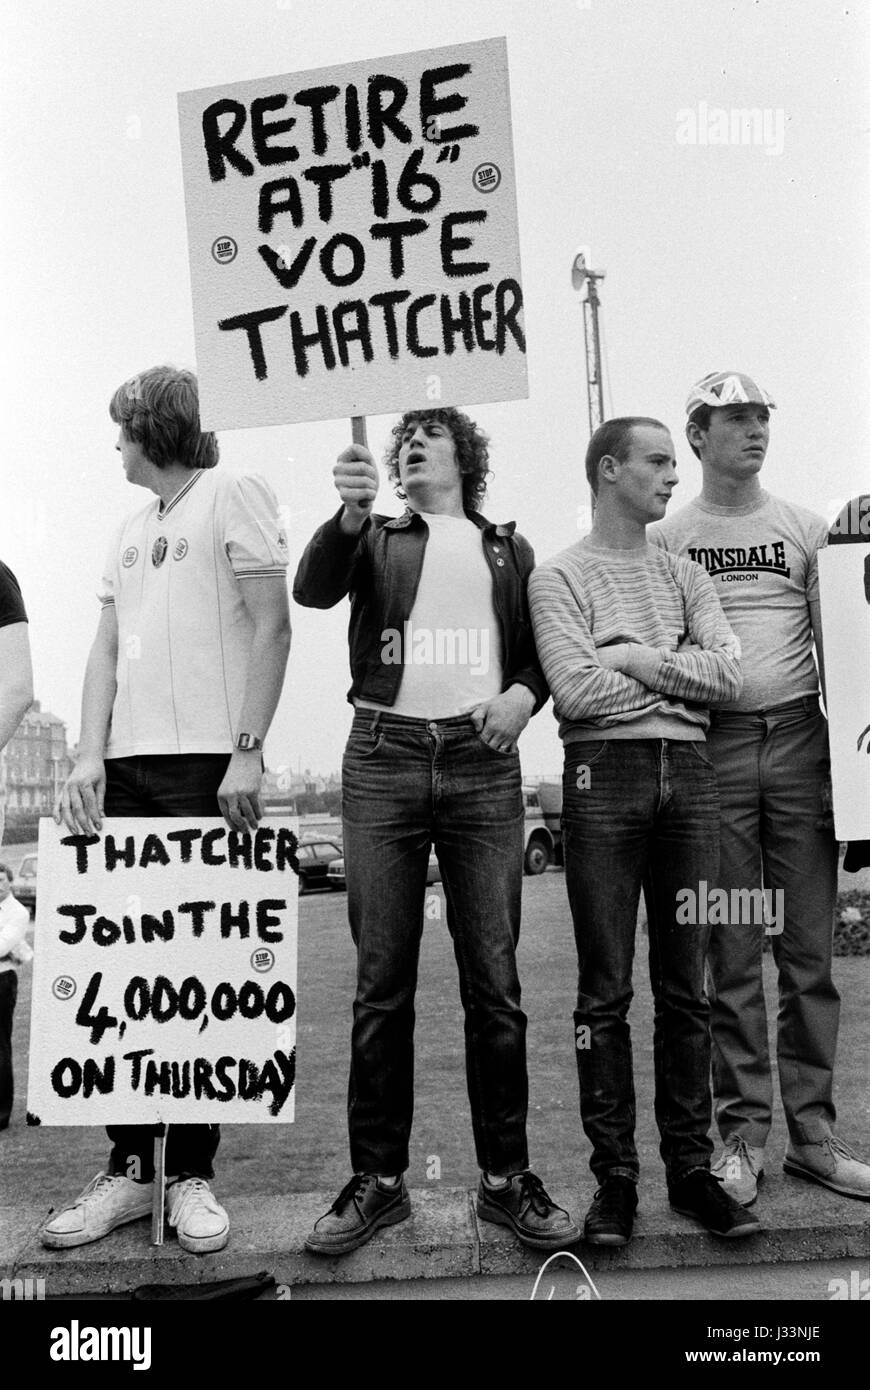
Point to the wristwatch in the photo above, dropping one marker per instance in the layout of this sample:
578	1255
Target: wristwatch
248	743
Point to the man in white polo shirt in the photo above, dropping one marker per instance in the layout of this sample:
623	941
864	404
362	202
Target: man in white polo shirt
181	686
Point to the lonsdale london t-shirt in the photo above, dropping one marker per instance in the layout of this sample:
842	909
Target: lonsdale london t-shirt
762	561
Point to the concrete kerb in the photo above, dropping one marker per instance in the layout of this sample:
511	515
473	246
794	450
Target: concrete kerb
443	1239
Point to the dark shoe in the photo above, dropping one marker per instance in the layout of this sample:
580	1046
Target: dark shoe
610	1219
525	1206
360	1209
703	1197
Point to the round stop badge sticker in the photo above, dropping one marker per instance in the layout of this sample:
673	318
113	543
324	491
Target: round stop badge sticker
224	250
486	178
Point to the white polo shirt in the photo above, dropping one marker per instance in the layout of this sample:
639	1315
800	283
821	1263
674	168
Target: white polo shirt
175	575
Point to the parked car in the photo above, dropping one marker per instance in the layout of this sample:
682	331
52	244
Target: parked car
336	872
315	858
24	882
542	835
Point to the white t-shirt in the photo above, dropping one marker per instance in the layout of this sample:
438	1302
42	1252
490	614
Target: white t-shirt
174	575
451	647
14	921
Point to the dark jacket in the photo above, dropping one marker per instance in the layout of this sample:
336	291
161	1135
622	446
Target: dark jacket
380	569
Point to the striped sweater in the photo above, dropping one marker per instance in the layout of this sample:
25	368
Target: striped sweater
590	597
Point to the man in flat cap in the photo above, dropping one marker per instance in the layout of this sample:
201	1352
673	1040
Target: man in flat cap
770	751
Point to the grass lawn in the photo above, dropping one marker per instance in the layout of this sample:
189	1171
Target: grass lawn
50	1164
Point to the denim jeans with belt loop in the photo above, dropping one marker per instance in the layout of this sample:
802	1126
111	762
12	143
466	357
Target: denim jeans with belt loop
408	784
773	770
640	812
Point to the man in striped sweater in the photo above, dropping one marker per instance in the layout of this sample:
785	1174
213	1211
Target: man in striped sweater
634	646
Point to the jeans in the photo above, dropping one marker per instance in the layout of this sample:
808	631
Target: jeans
408	784
8	996
173	784
640	812
773	770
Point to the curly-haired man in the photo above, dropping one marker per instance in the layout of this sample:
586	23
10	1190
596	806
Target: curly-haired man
445	678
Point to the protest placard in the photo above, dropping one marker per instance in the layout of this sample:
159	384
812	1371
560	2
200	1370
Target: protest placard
353	239
844	581
165	980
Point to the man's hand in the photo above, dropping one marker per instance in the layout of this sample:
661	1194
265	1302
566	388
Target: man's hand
613	658
356	478
239	792
500	721
630	658
81	800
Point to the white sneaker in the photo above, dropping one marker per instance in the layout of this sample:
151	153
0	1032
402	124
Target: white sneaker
740	1166
831	1163
108	1201
197	1215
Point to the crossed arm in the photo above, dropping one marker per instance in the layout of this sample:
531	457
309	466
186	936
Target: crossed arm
588	681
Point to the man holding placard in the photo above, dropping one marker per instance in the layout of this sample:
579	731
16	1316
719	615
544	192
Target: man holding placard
181	686
445	678
770	750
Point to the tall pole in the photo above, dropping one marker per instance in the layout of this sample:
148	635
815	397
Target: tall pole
584	279
594	383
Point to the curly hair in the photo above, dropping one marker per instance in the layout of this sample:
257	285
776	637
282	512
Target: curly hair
472	451
159	410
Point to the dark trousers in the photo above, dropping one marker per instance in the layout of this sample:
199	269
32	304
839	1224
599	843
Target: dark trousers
773	769
8	996
408	784
183	784
640	812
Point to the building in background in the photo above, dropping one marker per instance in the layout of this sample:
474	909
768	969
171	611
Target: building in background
33	767
286	792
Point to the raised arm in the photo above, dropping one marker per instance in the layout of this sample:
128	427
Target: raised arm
326	570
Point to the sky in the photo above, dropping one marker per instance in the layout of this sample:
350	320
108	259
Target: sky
746	256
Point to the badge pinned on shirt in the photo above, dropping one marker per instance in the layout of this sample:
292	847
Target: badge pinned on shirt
179	550
158	551
130	556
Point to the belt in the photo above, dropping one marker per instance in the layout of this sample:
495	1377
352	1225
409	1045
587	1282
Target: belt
806	704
